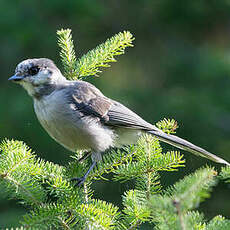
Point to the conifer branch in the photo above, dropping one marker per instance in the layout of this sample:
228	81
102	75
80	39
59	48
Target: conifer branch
179	213
24	190
174	205
45	216
219	223
148	158
168	126
149	174
135	203
111	162
225	174
17	170
67	52
194	188
90	63
99	214
134	226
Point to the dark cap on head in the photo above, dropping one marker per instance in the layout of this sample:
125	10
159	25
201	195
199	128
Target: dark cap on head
35	62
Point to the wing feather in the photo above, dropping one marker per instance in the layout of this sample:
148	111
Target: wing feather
89	101
119	115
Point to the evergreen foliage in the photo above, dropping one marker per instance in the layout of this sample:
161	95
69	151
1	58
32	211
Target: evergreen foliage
55	203
67	52
91	63
225	174
167	125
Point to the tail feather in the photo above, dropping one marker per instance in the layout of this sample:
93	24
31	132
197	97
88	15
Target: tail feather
185	145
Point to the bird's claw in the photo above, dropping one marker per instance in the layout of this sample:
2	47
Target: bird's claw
78	181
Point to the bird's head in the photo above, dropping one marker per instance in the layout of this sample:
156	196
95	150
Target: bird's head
36	75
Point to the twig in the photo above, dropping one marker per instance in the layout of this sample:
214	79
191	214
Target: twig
176	203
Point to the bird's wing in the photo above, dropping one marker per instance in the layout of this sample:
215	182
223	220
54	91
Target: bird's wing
91	102
119	115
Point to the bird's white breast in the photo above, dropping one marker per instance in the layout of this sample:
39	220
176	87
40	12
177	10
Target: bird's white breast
65	125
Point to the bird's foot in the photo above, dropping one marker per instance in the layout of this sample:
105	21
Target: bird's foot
78	181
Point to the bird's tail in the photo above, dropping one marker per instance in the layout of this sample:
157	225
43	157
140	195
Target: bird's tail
185	145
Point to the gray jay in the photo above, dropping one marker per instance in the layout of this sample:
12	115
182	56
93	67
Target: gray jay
78	116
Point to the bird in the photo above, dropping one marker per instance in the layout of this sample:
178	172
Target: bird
79	116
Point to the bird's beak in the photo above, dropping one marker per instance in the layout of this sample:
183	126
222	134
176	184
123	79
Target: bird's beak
16	78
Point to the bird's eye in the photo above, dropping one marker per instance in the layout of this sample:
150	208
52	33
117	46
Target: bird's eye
33	70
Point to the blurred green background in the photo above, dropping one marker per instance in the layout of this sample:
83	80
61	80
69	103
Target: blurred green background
179	68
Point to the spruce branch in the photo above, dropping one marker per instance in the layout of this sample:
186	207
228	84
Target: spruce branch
149	174
180	215
99	214
135	207
46	216
62	214
135	226
167	125
17	172
193	189
225	174
150	183
90	63
191	220
67	52
219	223
162	212
171	209
111	161
148	159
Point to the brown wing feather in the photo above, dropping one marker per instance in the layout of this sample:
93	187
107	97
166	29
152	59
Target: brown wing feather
90	101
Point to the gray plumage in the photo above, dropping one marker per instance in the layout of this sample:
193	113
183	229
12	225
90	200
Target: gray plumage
78	116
